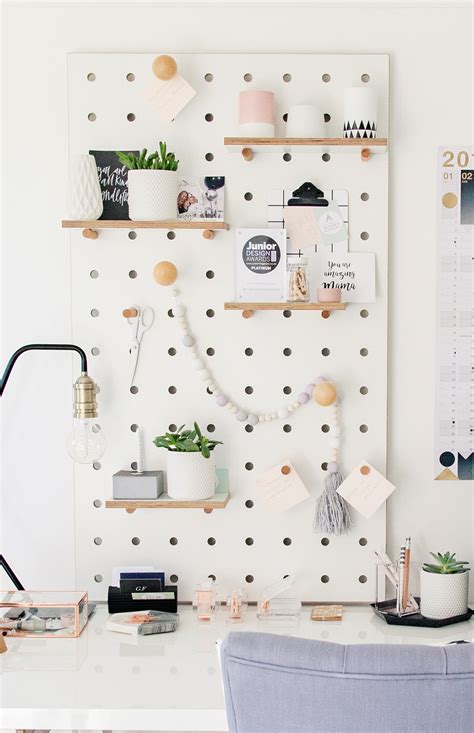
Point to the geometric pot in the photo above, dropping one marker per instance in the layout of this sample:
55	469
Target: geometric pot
190	476
444	594
152	195
360	113
85	194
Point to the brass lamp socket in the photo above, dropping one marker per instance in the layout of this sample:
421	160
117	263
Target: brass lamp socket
85	404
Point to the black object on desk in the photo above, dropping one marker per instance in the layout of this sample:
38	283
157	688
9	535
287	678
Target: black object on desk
120	601
416	619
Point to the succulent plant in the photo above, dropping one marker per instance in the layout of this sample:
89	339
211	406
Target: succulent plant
445	564
157	161
187	441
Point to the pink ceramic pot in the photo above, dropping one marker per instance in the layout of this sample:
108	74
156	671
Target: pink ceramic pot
329	295
257	114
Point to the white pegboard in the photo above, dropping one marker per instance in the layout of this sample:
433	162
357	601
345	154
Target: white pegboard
345	560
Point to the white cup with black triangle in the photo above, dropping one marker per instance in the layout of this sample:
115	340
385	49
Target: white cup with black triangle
360	113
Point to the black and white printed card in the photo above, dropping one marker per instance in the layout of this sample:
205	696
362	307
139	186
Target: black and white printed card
260	265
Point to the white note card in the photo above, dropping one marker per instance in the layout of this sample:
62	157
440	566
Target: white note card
280	488
352	272
169	98
365	489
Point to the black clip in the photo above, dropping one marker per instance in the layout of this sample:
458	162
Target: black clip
308	195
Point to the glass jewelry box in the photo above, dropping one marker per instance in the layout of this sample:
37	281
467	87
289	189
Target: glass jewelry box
61	614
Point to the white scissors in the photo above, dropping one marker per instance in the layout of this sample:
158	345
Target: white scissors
138	324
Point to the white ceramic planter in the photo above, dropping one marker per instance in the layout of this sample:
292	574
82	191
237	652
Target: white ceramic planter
444	595
190	476
152	195
85	195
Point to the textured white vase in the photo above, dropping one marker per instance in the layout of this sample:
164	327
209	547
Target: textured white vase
152	195
305	120
85	195
444	595
190	476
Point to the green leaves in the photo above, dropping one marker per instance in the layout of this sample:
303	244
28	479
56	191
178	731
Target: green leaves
446	564
187	441
157	161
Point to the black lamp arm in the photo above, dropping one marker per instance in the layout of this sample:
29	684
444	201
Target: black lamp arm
40	347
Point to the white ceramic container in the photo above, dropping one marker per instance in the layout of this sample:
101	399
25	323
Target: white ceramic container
152	195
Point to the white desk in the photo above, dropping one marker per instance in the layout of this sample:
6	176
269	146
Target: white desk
109	681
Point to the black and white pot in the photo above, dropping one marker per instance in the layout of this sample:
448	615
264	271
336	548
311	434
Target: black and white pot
444	595
360	113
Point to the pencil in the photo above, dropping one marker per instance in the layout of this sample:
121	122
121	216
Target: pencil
406	574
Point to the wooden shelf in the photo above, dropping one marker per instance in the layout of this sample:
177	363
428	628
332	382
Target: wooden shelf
128	224
249	308
248	145
218	501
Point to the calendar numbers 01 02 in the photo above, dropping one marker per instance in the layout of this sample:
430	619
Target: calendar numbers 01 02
461	159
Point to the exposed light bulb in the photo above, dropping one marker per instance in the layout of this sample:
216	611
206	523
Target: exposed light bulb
86	444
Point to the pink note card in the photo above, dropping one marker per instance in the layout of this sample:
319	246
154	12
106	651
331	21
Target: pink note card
365	489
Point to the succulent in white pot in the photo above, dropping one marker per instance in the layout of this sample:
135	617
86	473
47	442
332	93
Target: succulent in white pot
190	464
444	586
152	184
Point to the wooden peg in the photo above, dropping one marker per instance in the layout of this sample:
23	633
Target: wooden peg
365	470
165	273
285	470
325	313
164	67
247	314
130	510
365	154
208	510
208	234
130	313
3	645
90	233
247	154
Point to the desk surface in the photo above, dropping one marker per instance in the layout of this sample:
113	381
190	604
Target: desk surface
110	681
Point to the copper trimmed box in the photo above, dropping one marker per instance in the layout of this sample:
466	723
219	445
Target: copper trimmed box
60	614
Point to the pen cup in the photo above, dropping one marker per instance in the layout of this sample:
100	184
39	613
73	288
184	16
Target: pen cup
386	589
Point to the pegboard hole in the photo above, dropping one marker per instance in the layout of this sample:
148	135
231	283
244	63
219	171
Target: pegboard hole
362	578
173	540
365	78
324	578
287	314
130	77
249	428
363	428
210	351
287	351
209	157
287	77
248	389
325	351
249	578
92	116
172	389
134	427
325	428
134	465
325	541
174	578
131	117
324	466
97	465
211	541
248	77
134	389
287	157
172	427
249	541
325	157
327	117
285	117
210	274
364	196
96	428
287	541
210	313
211	576
98	578
248	196
171	235
135	541
208	77
97	503
364	352
95	351
364	390
249	504
172	351
287	390
362	541
91	77
97	540
170	313
364	236
364	313
94	313
211	428
249	466
94	274
248	351
132	274
326	78
209	117
287	428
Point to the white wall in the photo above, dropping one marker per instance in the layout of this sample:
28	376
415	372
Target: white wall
431	67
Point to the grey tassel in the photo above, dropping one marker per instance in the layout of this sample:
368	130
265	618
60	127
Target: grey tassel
332	513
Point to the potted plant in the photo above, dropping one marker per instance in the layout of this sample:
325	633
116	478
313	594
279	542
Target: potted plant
152	184
444	586
191	467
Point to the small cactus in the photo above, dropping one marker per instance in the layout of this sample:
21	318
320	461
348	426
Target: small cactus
445	564
157	161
